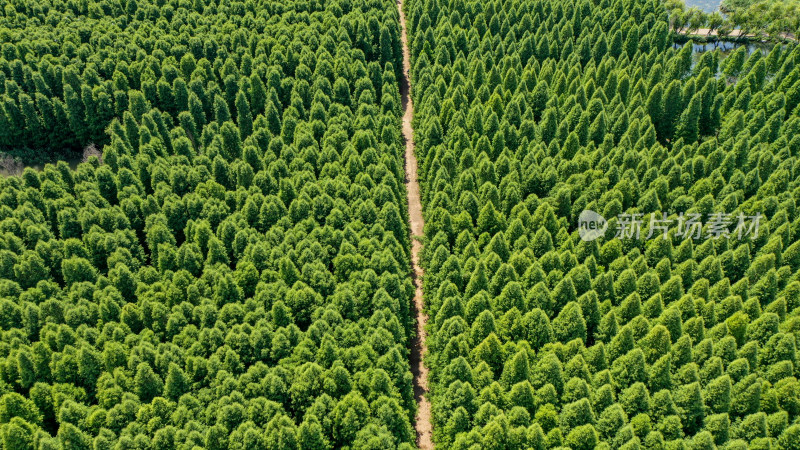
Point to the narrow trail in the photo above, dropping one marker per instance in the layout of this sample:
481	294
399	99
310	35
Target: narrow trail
733	35
422	423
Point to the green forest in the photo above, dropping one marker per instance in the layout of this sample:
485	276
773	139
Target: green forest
235	270
527	113
234	273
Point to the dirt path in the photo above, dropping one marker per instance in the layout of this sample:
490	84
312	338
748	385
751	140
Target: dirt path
707	32
734	34
418	347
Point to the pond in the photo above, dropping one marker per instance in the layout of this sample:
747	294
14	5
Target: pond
726	47
708	6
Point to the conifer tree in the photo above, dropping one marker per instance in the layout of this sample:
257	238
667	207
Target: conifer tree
244	118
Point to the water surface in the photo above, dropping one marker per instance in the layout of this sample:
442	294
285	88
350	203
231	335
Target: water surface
708	6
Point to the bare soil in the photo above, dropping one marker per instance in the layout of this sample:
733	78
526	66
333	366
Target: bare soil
422	423
734	34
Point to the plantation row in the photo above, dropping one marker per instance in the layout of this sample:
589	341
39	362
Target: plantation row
234	274
528	113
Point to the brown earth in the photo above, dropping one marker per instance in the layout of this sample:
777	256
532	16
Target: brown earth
422	423
734	34
709	32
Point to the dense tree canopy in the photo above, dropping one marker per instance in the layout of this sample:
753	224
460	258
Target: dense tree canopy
529	112
235	273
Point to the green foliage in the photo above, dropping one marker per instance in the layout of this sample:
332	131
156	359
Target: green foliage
774	18
233	272
526	114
